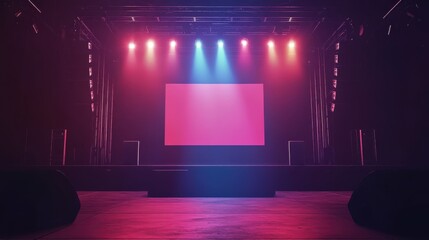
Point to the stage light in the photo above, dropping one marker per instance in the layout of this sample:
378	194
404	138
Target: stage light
336	58
90	71
332	107
334	83
270	44
92	107
334	95
89	45
150	44
131	46
336	72
89	58
244	42
291	44
92	95
91	84
198	44
173	44
337	46
220	43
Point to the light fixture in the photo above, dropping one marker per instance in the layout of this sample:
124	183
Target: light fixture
220	43
150	44
291	44
198	44
173	43
244	42
131	45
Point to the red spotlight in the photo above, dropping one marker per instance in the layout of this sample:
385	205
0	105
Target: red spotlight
270	44
291	44
173	44
150	44
131	46
332	107
244	42
334	95
334	83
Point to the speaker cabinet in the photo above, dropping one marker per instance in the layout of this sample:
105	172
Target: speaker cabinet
394	201
33	200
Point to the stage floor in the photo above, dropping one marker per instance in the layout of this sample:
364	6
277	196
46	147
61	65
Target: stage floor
289	215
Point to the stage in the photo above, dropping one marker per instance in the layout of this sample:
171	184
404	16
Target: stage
227	119
283	177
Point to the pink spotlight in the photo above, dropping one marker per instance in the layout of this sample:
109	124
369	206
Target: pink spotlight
173	44
131	46
150	44
270	44
244	42
291	44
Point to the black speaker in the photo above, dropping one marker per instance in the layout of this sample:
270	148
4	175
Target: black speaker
393	201
32	200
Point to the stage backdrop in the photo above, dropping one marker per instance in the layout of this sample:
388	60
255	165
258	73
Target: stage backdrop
210	105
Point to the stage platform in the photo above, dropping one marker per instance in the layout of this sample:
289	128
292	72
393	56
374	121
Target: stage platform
280	177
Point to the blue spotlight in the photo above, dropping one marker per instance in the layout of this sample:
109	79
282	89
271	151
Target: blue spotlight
200	70
198	44
223	73
220	43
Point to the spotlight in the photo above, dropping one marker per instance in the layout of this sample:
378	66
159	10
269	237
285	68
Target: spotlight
334	83
334	95
220	43
244	42
173	44
198	44
150	44
332	107
131	46
337	46
291	44
270	44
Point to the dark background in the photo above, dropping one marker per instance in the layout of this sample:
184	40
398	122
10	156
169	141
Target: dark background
43	82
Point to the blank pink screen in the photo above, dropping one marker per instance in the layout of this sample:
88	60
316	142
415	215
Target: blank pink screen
214	114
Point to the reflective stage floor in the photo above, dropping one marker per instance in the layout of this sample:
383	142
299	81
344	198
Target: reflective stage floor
289	215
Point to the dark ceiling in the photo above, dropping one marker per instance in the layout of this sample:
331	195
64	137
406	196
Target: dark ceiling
105	18
103	21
